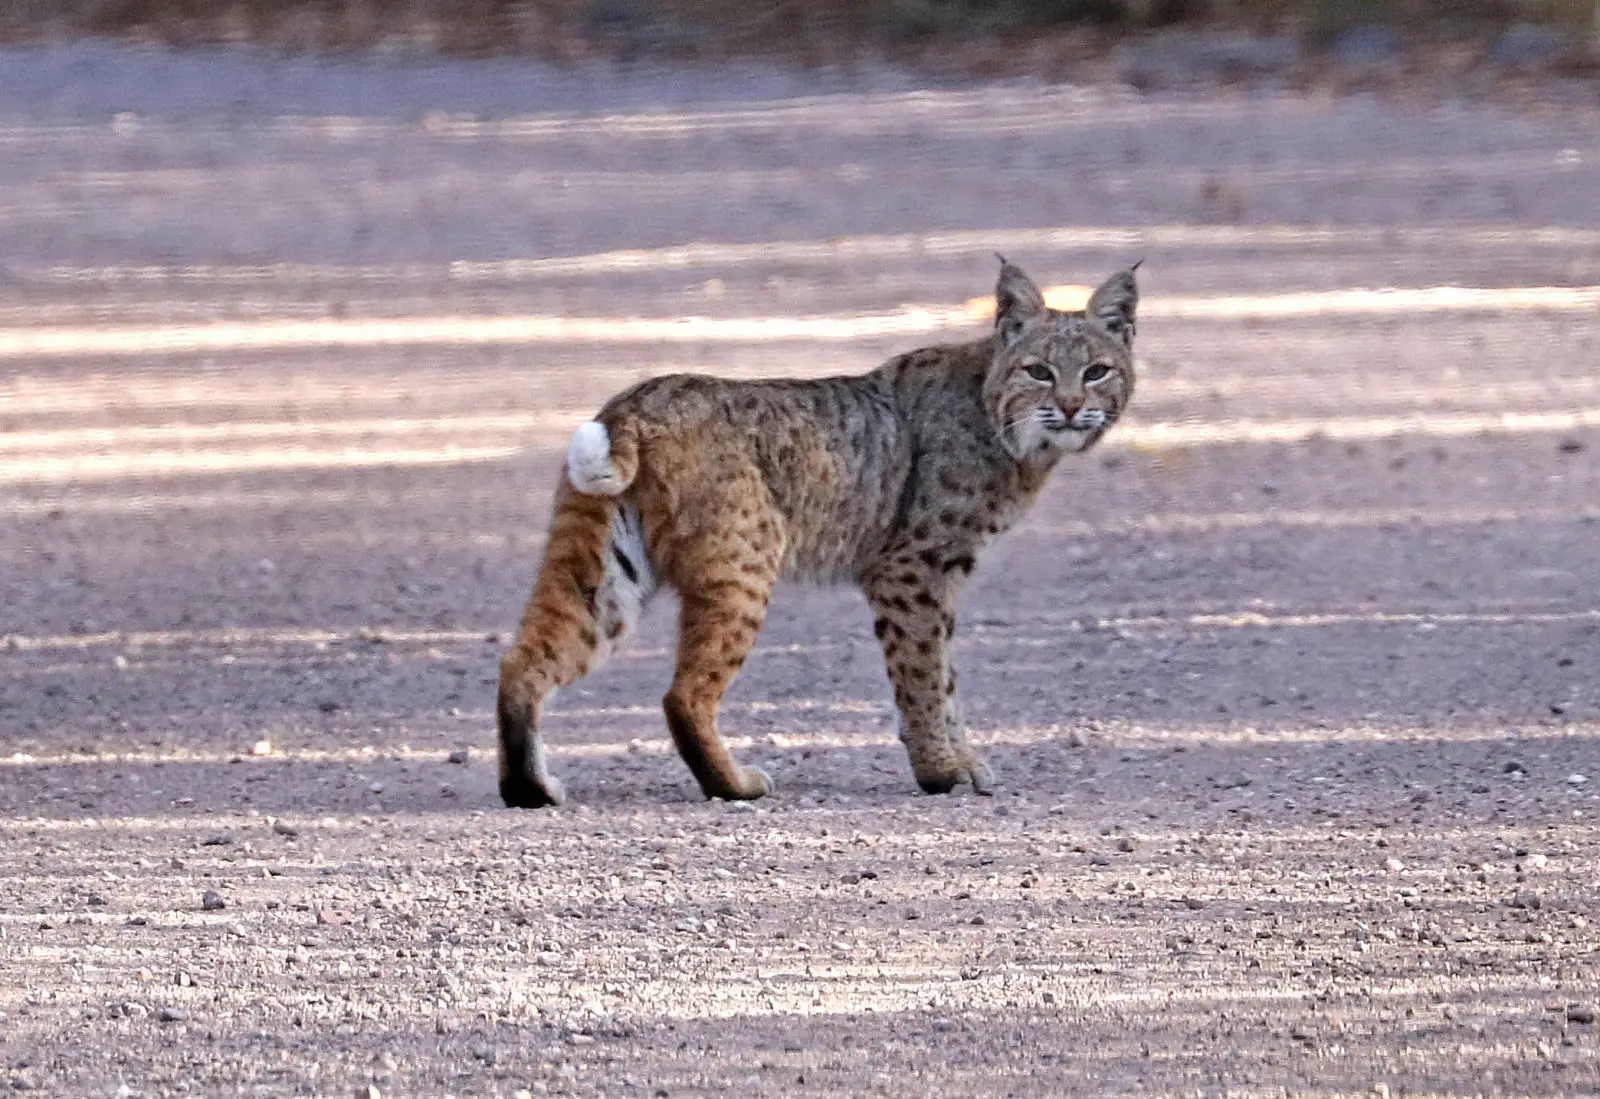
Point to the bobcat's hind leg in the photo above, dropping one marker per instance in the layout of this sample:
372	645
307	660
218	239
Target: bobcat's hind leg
717	631
914	621
724	593
594	584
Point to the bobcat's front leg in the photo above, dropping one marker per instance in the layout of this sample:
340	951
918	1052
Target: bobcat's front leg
914	619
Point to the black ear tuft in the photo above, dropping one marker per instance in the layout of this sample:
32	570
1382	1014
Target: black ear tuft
1115	304
1017	301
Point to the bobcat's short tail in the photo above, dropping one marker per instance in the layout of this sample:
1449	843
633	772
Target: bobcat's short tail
602	460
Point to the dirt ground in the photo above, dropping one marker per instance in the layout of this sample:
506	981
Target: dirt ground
1290	689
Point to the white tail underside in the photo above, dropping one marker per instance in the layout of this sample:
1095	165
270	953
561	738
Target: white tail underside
589	466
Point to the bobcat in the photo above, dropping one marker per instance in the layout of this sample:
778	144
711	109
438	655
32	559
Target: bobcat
892	480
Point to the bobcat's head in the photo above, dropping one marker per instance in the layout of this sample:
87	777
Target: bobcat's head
1059	380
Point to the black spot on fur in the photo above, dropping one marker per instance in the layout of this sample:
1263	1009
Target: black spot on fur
586	593
627	565
926	600
963	564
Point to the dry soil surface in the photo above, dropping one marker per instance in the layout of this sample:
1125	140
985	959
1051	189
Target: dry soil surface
1292	689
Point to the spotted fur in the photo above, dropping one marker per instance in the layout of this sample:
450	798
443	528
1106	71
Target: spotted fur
893	480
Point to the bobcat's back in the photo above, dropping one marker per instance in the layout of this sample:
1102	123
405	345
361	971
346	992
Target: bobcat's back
820	465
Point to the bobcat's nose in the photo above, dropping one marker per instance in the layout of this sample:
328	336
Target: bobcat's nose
1069	409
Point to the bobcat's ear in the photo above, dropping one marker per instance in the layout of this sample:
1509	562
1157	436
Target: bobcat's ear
1017	302
1115	303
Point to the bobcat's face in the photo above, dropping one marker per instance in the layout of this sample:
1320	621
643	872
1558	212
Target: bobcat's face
1059	380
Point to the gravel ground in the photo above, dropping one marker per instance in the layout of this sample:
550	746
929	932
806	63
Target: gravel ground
1290	688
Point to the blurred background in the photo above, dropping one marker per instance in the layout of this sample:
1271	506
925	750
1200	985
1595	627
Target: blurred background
299	304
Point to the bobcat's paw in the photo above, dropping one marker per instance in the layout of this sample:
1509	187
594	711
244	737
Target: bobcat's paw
755	782
974	772
522	792
749	784
981	777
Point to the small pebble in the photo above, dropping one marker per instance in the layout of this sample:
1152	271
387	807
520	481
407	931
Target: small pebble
171	1015
1393	865
212	901
1580	1013
261	748
1577	780
459	756
284	828
1125	845
1527	899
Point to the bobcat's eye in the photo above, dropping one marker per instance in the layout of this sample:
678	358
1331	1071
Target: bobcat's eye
1096	373
1039	372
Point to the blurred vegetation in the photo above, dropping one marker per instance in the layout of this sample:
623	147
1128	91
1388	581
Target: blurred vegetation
720	27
